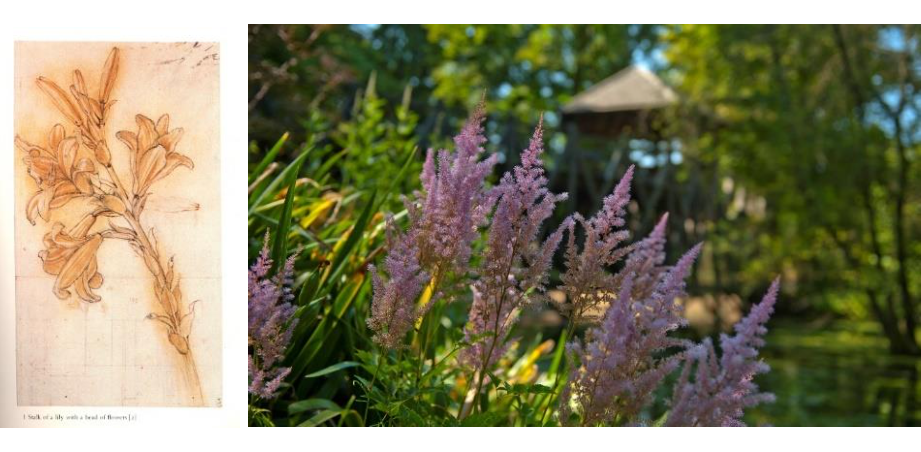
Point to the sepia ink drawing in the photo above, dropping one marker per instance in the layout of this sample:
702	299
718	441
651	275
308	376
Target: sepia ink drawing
73	167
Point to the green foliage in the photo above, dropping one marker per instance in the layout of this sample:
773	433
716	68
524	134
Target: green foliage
838	374
374	148
337	376
523	69
335	232
809	125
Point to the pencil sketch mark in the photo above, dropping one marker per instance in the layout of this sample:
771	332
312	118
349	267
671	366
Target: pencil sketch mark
174	60
75	163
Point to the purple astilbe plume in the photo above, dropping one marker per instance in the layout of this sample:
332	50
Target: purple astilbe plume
393	310
270	323
515	262
444	219
585	280
723	388
619	365
454	202
646	261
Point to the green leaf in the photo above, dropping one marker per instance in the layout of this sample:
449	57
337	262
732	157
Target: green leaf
660	422
255	199
557	371
311	404
269	157
310	287
410	417
481	420
333	368
324	329
328	164
320	418
354	236
280	247
558	354
520	388
399	177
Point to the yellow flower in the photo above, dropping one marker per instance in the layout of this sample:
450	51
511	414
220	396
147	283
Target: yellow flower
72	257
60	175
152	155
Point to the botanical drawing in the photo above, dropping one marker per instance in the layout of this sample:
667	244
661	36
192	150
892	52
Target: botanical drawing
74	165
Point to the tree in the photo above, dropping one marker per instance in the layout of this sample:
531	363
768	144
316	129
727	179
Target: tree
823	122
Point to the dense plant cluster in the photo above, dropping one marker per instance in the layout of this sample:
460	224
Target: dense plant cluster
467	243
622	359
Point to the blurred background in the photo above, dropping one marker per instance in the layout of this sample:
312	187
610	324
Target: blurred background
789	150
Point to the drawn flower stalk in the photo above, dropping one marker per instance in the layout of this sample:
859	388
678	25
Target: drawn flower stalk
67	168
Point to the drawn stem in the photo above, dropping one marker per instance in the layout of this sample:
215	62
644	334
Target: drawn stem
168	302
191	370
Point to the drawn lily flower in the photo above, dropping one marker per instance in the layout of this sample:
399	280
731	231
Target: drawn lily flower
72	257
86	112
57	171
152	151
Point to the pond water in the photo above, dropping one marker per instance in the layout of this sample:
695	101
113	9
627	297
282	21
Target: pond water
837	374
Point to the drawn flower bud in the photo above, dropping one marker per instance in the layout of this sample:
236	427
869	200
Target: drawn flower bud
181	343
109	73
79	82
60	99
103	156
73	259
82	228
114	204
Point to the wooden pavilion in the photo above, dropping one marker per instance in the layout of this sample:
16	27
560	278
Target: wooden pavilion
625	103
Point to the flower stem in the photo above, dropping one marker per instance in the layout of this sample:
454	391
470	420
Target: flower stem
364	418
495	331
168	302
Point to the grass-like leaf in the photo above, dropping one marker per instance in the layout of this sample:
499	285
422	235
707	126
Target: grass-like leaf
333	368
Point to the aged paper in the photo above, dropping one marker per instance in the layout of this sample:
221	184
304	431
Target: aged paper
117	224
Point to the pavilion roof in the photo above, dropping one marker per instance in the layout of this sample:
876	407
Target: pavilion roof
631	89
